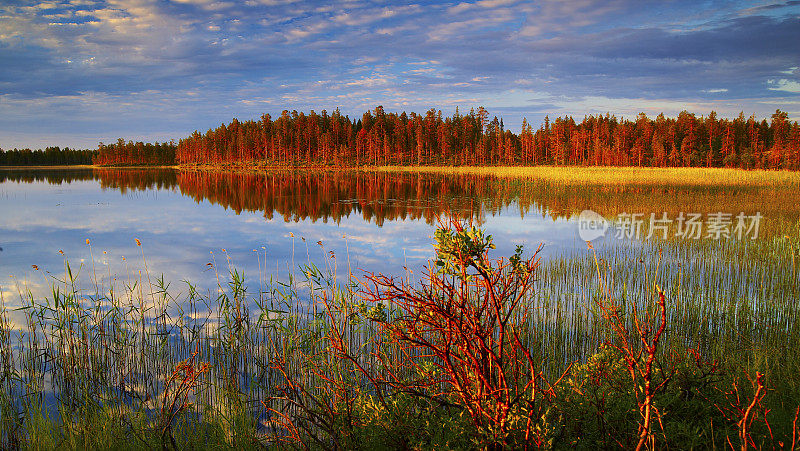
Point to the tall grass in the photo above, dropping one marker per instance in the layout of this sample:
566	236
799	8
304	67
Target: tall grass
314	359
606	175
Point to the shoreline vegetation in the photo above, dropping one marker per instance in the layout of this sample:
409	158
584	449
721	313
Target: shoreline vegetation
475	352
562	174
620	174
50	156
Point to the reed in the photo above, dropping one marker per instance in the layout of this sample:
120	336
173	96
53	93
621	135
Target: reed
327	360
607	175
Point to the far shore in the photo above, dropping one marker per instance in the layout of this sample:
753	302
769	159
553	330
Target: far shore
61	166
561	174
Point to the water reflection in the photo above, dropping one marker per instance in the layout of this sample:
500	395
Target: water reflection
298	195
369	221
375	221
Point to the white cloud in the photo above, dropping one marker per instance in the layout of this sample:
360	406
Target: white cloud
376	80
465	6
298	34
555	16
395	30
448	30
784	84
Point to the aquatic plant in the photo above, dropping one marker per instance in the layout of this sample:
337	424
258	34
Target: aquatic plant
478	353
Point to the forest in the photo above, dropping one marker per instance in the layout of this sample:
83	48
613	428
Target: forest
50	156
385	138
132	153
381	138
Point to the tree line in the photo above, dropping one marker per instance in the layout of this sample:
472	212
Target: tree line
135	153
384	138
381	138
50	156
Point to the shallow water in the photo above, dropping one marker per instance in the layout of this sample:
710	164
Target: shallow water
379	223
270	224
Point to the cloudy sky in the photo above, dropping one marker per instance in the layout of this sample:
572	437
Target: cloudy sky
73	73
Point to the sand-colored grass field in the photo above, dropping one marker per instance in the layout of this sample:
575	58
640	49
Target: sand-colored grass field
619	175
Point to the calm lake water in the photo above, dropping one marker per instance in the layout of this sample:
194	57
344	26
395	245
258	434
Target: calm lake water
271	223
184	220
731	288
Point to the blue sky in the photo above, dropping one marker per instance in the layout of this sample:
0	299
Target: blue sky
76	72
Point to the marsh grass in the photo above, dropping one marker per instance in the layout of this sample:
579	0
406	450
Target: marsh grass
606	175
303	360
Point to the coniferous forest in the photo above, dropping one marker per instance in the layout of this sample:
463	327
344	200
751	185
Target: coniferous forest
50	156
381	138
136	153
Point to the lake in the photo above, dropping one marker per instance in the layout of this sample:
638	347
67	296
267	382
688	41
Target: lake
195	226
374	222
113	279
271	223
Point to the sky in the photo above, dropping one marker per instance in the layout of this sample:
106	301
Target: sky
79	72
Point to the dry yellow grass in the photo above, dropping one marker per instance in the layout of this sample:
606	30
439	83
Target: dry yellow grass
606	175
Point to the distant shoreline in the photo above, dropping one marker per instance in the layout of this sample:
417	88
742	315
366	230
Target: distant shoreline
59	166
577	175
